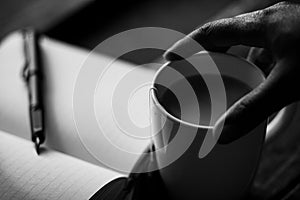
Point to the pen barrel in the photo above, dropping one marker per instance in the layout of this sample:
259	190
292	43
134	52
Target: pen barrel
35	90
36	107
34	81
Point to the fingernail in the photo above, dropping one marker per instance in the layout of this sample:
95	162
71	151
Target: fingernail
170	56
226	133
224	138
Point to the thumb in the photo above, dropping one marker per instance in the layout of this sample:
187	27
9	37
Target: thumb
270	96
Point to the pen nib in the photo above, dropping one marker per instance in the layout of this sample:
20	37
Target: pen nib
37	145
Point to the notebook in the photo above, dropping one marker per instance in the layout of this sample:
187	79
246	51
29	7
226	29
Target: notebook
66	169
53	175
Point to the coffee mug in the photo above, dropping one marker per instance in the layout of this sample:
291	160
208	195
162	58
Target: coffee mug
186	98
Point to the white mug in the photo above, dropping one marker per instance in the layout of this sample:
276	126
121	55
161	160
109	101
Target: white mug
227	170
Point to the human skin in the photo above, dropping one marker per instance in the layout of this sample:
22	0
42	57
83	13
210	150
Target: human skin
275	34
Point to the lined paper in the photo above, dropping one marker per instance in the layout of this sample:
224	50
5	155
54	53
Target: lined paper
52	175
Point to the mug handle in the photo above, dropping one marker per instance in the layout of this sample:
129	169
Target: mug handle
280	121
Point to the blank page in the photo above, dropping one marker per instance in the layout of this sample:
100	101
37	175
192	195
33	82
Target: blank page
62	64
51	175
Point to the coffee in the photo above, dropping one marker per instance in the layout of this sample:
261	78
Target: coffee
235	89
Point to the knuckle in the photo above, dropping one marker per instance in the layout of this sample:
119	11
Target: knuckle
281	22
262	16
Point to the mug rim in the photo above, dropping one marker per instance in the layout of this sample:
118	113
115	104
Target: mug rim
164	111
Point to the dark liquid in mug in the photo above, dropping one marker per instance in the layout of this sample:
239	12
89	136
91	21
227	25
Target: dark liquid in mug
189	109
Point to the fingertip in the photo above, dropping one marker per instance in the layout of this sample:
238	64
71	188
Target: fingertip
227	135
225	132
170	56
182	49
218	130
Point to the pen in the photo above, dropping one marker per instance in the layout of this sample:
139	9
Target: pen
33	76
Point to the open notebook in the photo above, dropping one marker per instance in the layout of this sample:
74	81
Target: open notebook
66	170
53	175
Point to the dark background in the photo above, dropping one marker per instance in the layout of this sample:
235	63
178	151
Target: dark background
88	22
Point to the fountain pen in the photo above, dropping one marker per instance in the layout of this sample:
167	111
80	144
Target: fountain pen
33	76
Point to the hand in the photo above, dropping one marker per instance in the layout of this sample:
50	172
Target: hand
276	30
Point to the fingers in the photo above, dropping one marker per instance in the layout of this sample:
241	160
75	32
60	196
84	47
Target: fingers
272	95
262	58
247	29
